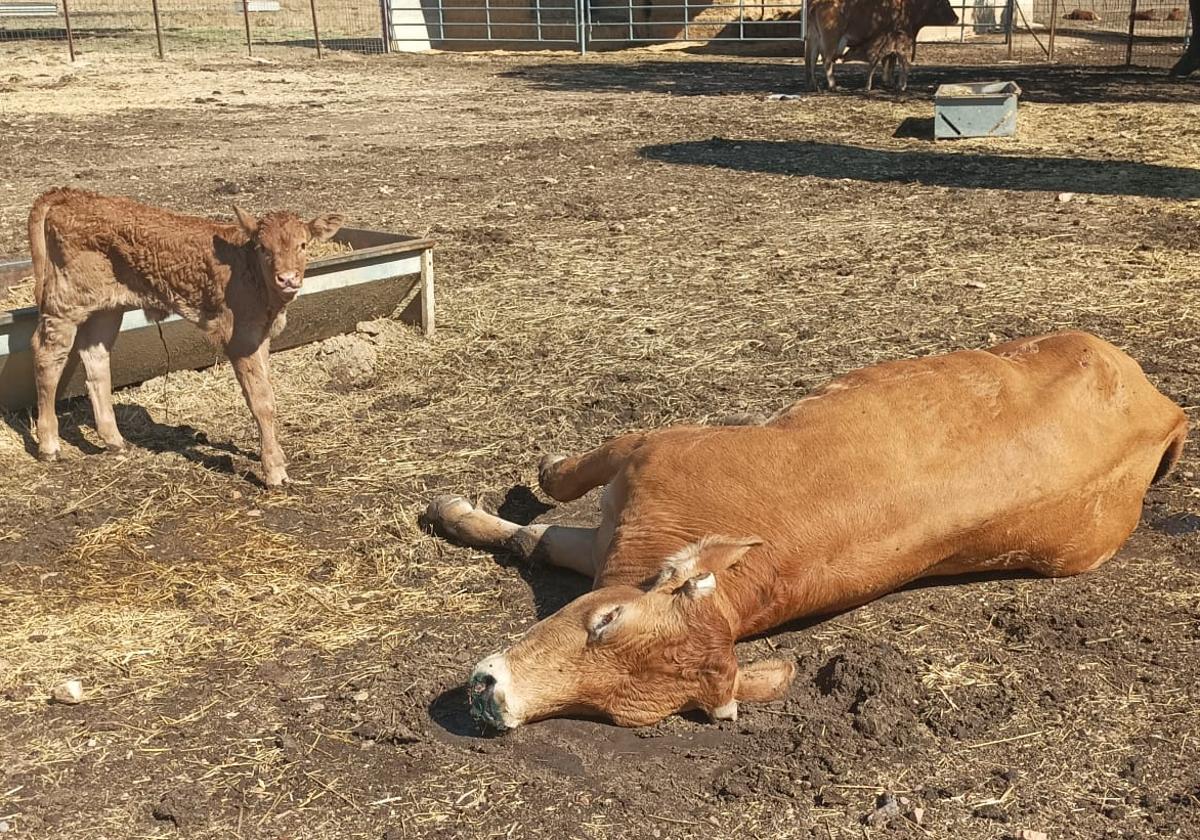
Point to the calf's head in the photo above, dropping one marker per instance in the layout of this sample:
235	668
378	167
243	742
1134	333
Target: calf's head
633	655
281	240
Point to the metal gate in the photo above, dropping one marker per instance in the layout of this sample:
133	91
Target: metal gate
584	24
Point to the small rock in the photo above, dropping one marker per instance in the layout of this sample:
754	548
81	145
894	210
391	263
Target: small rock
4	827
360	695
370	327
1064	197
886	810
1029	834
546	179
69	692
918	816
229	187
975	284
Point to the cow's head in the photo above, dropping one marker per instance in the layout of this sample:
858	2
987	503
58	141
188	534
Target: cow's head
633	655
937	13
280	240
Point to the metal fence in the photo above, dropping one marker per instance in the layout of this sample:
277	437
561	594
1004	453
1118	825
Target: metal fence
198	27
1106	32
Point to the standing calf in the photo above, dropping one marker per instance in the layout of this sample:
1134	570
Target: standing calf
96	256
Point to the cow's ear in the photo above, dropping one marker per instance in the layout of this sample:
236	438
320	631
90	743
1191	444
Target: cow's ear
760	682
248	222
325	226
694	567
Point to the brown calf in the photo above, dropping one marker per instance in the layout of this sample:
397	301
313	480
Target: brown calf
96	256
1033	455
836	24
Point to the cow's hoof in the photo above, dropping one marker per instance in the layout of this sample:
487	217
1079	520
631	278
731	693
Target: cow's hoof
120	448
547	472
277	481
48	457
444	511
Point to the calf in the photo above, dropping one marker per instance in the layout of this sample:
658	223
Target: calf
95	256
1033	455
834	24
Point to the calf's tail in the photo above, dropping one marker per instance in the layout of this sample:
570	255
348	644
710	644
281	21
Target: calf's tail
37	243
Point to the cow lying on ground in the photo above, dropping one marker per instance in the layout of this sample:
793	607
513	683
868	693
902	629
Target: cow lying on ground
95	256
1033	455
836	24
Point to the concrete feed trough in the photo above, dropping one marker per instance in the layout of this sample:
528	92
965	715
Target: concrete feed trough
371	281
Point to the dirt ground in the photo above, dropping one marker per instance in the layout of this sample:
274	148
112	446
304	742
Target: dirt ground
625	241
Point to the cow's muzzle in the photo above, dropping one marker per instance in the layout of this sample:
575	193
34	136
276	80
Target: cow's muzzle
481	696
289	283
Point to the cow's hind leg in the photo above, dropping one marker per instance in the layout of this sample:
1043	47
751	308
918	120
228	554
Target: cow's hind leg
456	519
96	338
52	342
568	478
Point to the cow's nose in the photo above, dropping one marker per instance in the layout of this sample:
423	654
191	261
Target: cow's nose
481	695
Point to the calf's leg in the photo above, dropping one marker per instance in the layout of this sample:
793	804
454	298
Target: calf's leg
456	519
253	374
52	342
96	338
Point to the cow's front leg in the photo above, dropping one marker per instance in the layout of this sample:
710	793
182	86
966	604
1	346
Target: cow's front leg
456	519
253	374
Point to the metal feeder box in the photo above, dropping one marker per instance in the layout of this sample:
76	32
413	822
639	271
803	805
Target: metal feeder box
975	109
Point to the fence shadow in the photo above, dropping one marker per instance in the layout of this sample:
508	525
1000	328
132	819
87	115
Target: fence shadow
698	77
947	169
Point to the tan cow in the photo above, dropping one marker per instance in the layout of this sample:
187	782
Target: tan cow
95	256
835	24
1032	455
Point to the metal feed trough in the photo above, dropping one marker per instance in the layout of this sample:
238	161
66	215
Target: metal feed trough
975	109
371	281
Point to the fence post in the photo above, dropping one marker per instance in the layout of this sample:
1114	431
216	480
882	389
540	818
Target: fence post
1053	28
246	17
70	34
158	30
1012	11
312	4
581	24
386	23
1129	43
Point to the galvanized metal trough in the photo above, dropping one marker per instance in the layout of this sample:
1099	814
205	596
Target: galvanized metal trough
975	109
372	281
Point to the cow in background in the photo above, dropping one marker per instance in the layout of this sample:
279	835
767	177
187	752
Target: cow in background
1033	455
834	25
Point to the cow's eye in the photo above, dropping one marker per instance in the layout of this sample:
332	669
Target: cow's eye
303	246
602	621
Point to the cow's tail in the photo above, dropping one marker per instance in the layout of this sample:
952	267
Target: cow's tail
37	242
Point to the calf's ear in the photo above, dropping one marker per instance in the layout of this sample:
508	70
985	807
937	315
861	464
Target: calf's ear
325	226
248	222
761	682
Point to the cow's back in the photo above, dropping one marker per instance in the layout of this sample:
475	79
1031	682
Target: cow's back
855	20
895	468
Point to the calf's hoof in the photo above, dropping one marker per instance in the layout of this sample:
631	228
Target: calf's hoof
48	456
117	448
276	480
